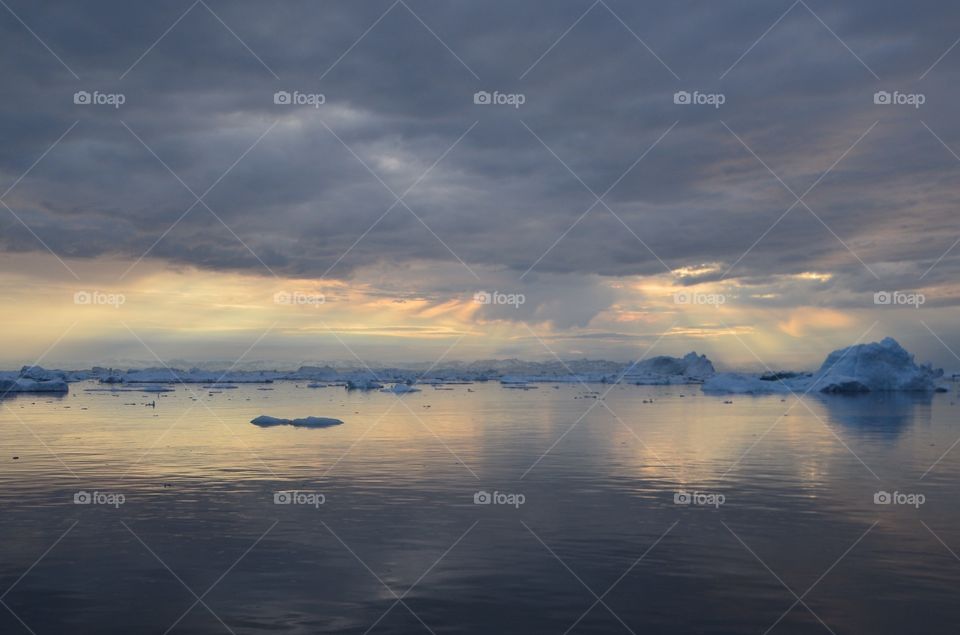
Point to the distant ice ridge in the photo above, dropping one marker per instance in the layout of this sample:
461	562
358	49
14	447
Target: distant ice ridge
656	371
33	379
883	366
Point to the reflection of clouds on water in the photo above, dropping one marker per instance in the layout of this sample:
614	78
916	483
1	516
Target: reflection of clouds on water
877	414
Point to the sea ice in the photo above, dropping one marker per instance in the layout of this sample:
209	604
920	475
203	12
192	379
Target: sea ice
265	421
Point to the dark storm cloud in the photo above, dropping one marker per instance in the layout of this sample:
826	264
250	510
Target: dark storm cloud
399	99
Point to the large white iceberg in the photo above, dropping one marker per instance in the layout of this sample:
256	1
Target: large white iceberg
883	366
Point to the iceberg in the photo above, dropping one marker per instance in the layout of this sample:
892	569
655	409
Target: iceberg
33	379
663	369
265	421
883	366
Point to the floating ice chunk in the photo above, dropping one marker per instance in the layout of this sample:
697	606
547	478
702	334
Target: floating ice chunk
400	389
265	421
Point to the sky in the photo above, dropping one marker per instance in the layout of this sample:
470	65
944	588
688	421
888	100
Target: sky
423	180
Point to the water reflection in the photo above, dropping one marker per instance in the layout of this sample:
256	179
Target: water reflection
399	514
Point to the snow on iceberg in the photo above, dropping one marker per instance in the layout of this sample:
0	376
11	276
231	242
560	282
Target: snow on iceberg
265	421
883	366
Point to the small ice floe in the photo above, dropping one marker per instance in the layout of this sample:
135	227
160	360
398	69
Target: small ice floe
316	385
221	386
265	421
138	388
400	389
363	384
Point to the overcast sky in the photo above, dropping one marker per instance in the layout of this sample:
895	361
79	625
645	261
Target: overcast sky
788	192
